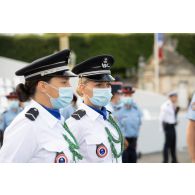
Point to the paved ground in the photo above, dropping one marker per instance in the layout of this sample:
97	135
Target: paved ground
157	157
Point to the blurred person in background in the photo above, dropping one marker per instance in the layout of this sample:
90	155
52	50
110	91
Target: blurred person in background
168	119
10	113
115	104
69	110
24	104
129	118
191	129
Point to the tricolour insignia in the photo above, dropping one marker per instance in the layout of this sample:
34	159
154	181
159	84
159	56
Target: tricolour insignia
78	114
101	150
193	106
32	114
61	158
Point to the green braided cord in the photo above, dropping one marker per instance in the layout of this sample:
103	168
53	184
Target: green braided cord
114	151
116	141
112	121
75	154
111	139
72	146
73	137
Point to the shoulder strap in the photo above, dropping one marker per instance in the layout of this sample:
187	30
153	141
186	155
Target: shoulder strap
32	114
78	114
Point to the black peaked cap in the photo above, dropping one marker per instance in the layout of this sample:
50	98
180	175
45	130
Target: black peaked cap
96	68
52	65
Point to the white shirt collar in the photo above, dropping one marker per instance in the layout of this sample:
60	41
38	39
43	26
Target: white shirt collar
89	111
49	119
170	103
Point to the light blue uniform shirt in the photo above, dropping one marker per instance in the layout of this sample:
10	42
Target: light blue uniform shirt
130	121
114	109
7	117
191	109
68	111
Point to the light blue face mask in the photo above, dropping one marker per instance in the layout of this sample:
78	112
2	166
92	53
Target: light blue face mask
13	105
64	99
119	104
101	96
127	101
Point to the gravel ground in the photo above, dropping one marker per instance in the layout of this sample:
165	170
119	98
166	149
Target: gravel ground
183	157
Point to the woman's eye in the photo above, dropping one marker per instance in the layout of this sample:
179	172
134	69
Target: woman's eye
98	85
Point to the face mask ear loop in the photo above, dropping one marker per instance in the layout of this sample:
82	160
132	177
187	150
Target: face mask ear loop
53	88
87	95
48	95
81	83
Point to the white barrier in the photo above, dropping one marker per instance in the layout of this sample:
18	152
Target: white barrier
151	138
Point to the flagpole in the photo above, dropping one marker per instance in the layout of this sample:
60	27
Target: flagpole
156	62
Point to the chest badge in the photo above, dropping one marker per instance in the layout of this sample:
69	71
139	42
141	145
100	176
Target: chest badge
61	158
101	150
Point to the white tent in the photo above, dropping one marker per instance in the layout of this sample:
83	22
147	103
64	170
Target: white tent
9	66
8	80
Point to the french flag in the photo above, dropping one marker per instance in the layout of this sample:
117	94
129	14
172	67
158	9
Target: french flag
159	41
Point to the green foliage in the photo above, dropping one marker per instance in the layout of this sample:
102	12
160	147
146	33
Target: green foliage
126	48
28	47
186	45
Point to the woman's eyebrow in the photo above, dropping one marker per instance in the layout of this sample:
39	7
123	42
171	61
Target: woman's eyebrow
65	79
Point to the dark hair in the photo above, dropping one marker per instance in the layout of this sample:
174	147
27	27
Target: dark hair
28	90
74	99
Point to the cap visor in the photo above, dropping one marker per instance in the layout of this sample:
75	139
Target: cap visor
101	77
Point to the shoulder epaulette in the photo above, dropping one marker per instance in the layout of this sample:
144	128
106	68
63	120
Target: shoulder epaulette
32	114
78	114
